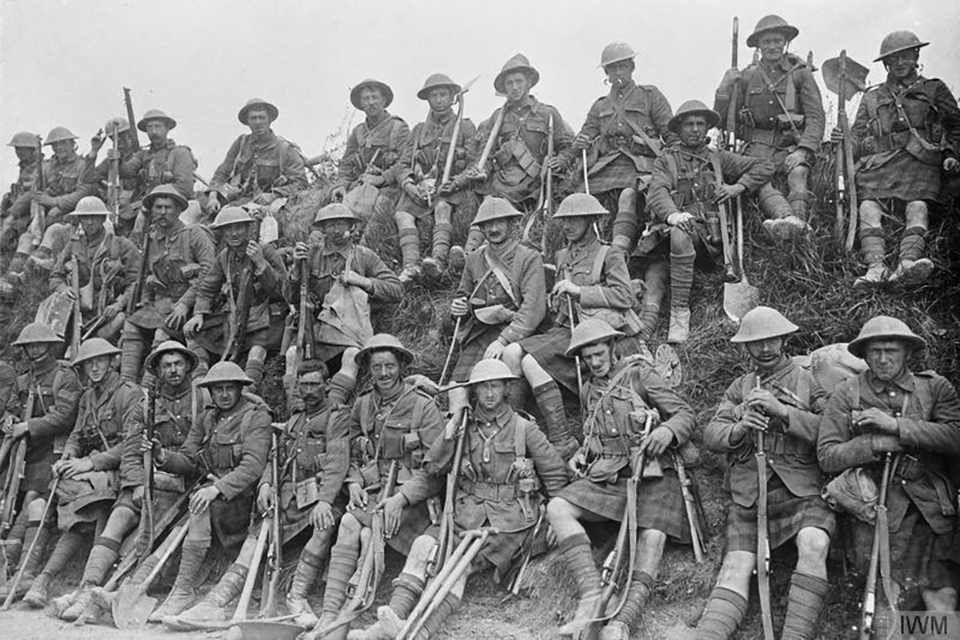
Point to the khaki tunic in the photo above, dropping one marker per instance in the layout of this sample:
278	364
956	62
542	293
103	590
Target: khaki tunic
254	166
171	164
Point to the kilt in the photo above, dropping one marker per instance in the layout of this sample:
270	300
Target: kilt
902	176
548	349
86	497
659	502
473	347
413	523
620	173
417	210
293	520
214	339
786	515
38	466
162	501
229	520
657	243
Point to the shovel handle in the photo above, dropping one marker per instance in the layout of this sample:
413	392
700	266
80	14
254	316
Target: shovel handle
177	537
241	613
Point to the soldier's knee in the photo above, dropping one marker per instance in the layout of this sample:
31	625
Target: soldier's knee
512	356
404	219
532	370
442	212
916	213
652	538
200	527
737	566
421	548
35	508
627	200
813	543
559	510
681	242
257	353
870	213
349	526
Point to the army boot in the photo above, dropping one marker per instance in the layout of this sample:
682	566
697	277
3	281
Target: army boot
436	264
67	548
192	555
308	569
803	608
626	621
681	281
343	562
721	616
558	429
913	269
578	555
407	589
872	248
213	607
102	556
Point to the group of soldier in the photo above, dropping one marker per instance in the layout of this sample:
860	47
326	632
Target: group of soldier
179	298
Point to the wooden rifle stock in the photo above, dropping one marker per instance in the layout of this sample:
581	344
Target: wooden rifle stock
763	542
445	547
304	330
147	529
492	139
15	469
275	554
240	313
870	588
137	292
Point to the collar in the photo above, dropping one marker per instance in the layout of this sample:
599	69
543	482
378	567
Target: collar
386	398
526	102
46	366
106	386
701	151
233	411
97	240
269	139
70	159
904	381
441	120
504	249
902	87
166	145
587	242
623	90
175	393
500	417
784	64
343	250
786	365
174	231
373	125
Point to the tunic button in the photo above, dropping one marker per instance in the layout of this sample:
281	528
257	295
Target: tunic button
903	482
613	431
893	393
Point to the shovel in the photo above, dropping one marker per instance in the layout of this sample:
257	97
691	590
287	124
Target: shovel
739	297
132	605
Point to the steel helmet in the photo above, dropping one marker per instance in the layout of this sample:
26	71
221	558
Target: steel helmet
493	208
170	346
885	328
36	333
579	204
164	191
335	211
590	332
761	323
89	206
489	369
231	215
24	139
693	107
517	63
437	80
771	23
225	371
616	52
93	348
384	88
116	125
899	41
258	103
156	114
58	134
384	342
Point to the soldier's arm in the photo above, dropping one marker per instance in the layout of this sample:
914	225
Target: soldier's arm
131	167
815	120
185	461
724	94
294	176
85	187
468	134
183	164
547	461
431	426
8	382
941	433
131	458
209	288
677	414
126	400
751	172
661	114
274	274
336	461
533	306
718	434
203	253
348	170
802	423
225	171
483	134
421	486
659	201
60	418
350	419
390	174
385	283
837	446
253	459
589	130
562	134
340	387
614	291
946	105
404	166
58	277
860	128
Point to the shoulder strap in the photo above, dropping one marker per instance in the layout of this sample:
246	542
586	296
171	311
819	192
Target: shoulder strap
598	263
500	276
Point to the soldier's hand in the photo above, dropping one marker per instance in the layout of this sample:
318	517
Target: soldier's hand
193	326
96	142
212	204
683	221
147	444
53	213
448	187
582	141
110	311
459	307
321	517
351	278
44	199
658	441
139	225
73	467
578	463
730	77
265	198
752	419
565	287
338	192
18	429
555	164
876	419
113	154
551	537
392	513
358	497
413	191
373	180
727	192
885	444
475	174
794	159
265	497
494	350
836	136
200	501
138	495
951	165
301	251
178	316
767	403
255	253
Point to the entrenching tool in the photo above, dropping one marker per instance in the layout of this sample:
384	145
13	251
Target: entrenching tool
455	136
444	548
453	344
739	297
668	365
33	544
245	595
879	558
846	78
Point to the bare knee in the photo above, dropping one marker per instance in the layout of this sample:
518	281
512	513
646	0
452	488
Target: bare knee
870	213
916	214
349	527
736	570
681	243
533	371
512	356
404	219
813	545
560	512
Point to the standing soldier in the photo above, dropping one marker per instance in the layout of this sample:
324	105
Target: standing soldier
592	281
621	397
229	443
907	130
175	260
118	130
778	405
691	182
623	133
780	116
88	468
108	269
390	428
260	166
162	162
422	169
373	152
507	469
240	303
15	207
50	392
501	298
908	422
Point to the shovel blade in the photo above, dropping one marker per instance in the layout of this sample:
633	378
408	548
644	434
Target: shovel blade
739	298
850	72
132	607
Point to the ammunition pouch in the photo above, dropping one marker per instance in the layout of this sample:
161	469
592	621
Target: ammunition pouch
910	468
516	150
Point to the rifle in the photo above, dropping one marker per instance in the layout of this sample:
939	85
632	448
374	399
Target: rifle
763	543
455	136
441	552
77	324
546	194
134	136
113	177
690	503
147	532
137	292
730	135
15	471
492	139
239	314
38	214
33	543
305	338
879	557
275	553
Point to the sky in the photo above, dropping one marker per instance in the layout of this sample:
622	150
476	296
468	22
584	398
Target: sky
65	62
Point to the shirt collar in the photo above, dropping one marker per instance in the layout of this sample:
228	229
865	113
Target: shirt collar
500	417
904	381
624	90
343	250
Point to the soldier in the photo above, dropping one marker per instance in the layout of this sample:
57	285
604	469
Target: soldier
507	469
260	166
240	303
592	281
782	401
162	162
780	116
372	155
621	397
230	442
176	259
118	130
390	428
109	266
912	422
46	399
15	206
623	133
690	183
501	298
88	469
422	169
907	130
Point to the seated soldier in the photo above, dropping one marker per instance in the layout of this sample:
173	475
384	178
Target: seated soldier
390	428
45	399
111	187
781	402
592	281
501	298
240	303
108	269
88	468
508	468
175	261
622	399
690	183
260	166
909	423
231	441
15	205
429	186
163	162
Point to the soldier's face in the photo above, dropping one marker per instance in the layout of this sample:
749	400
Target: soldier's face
772	45
574	228
36	351
337	232
384	369
92	225
63	148
886	358
490	394
164	212
902	65
693	130
619	72
516	85
598	358
440	99
26	154
766	353
225	395
259	121
372	101
496	231
236	235
312	387
172	369
96	369
157	131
